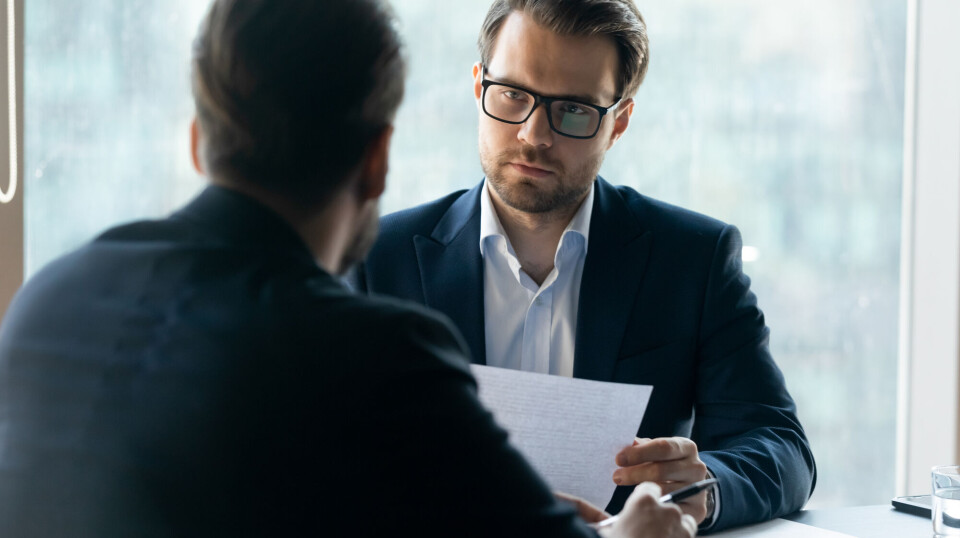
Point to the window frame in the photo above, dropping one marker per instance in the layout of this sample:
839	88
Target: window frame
11	158
929	344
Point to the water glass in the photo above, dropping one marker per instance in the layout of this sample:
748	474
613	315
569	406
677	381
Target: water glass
946	500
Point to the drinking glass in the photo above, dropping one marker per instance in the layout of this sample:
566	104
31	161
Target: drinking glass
946	500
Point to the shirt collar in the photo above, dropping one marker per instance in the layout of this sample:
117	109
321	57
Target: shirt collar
580	223
490	225
489	221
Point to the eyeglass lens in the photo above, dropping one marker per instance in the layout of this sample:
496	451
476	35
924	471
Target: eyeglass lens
513	105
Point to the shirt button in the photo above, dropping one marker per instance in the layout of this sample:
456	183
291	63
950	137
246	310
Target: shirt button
538	302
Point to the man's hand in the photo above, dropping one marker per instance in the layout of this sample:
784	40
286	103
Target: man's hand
670	462
586	511
644	516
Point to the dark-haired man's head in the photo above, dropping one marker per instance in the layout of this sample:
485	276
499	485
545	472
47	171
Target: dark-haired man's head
619	20
554	86
296	99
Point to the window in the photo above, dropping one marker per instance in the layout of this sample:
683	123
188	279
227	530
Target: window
108	109
785	119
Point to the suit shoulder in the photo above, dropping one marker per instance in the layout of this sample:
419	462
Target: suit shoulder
419	219
57	275
659	216
171	230
384	320
393	250
390	315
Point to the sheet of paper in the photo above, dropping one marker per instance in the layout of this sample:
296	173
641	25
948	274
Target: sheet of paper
569	429
781	528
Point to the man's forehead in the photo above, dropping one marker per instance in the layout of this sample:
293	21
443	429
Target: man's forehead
530	55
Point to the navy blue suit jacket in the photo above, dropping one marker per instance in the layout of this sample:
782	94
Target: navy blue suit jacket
664	302
201	376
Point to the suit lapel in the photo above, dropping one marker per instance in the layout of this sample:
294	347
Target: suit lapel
451	270
616	258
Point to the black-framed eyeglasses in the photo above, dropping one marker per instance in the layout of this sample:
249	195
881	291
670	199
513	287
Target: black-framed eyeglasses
514	105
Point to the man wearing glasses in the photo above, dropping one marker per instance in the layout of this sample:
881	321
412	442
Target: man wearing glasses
546	267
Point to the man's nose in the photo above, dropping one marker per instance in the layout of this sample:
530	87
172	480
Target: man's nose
536	130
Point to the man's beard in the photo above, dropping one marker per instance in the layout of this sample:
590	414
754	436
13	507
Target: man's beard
363	239
530	195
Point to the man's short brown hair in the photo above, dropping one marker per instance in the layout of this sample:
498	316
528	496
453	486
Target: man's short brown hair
619	19
289	93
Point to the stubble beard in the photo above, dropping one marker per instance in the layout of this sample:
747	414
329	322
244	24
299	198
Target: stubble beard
535	195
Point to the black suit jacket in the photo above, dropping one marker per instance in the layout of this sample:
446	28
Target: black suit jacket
664	302
200	375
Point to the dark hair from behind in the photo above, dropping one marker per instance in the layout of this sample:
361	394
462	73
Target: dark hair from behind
290	93
619	19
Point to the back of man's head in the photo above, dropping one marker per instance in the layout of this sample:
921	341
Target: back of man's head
289	93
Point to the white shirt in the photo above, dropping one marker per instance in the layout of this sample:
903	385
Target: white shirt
530	327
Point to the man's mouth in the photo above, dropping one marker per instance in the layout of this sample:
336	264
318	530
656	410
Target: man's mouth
530	170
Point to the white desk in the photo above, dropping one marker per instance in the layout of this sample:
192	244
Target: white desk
880	521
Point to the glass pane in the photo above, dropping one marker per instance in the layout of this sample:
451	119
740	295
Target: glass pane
107	115
782	118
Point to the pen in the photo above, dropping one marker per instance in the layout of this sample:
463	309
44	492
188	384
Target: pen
679	495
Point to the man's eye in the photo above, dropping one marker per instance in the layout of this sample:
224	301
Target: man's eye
572	108
510	94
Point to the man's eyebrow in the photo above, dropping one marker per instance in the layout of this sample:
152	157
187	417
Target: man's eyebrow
583	98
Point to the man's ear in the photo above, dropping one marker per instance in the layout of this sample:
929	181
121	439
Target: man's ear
195	146
477	82
621	120
373	179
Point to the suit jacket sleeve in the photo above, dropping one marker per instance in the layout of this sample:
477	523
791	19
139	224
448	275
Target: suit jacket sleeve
442	455
746	424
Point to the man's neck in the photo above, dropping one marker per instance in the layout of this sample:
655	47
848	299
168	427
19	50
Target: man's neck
534	236
322	229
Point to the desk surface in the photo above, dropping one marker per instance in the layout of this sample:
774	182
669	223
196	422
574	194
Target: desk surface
879	521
